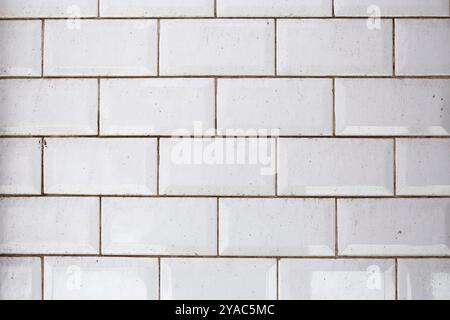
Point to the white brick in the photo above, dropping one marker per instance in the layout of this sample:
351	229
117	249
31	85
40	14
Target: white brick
160	226
20	278
392	107
100	48
21	48
46	107
394	227
422	47
341	167
274	8
157	8
327	279
100	278
424	279
391	8
423	167
333	47
217	47
294	106
44	225
100	166
47	8
282	227
20	163
156	106
217	166
218	279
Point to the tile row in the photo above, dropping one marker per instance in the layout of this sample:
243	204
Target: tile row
225	166
227	226
68	278
223	8
221	47
243	107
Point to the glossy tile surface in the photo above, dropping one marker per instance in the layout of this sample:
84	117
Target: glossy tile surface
20	278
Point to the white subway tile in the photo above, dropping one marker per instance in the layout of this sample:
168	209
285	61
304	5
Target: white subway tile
35	107
324	167
218	279
281	227
274	8
157	8
44	225
394	227
20	163
293	106
422	47
160	226
217	47
21	48
156	106
20	278
100	48
330	279
315	47
100	278
47	8
424	279
100	166
423	167
217	166
392	107
391	8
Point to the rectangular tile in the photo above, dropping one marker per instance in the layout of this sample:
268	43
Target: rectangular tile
277	227
20	163
398	107
100	278
343	279
217	47
47	8
391	8
20	278
100	48
45	225
21	48
422	47
218	279
424	279
394	227
318	47
274	8
217	166
100	166
423	167
292	106
46	107
335	167
162	226
156	106
157	8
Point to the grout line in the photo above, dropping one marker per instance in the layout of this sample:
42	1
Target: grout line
226	18
100	222
278	279
396	278
98	8
276	45
334	106
395	166
158	40
159	278
393	48
215	8
43	143
217	225
330	137
158	160
336	229
42	46
333	15
216	84
98	107
42	278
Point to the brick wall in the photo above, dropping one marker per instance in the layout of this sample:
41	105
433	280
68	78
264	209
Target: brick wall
230	149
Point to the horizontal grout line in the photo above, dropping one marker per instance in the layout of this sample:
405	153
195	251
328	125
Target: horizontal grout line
224	196
343	257
224	18
93	136
228	77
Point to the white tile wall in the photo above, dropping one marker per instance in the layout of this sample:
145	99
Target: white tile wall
86	278
224	149
212	279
